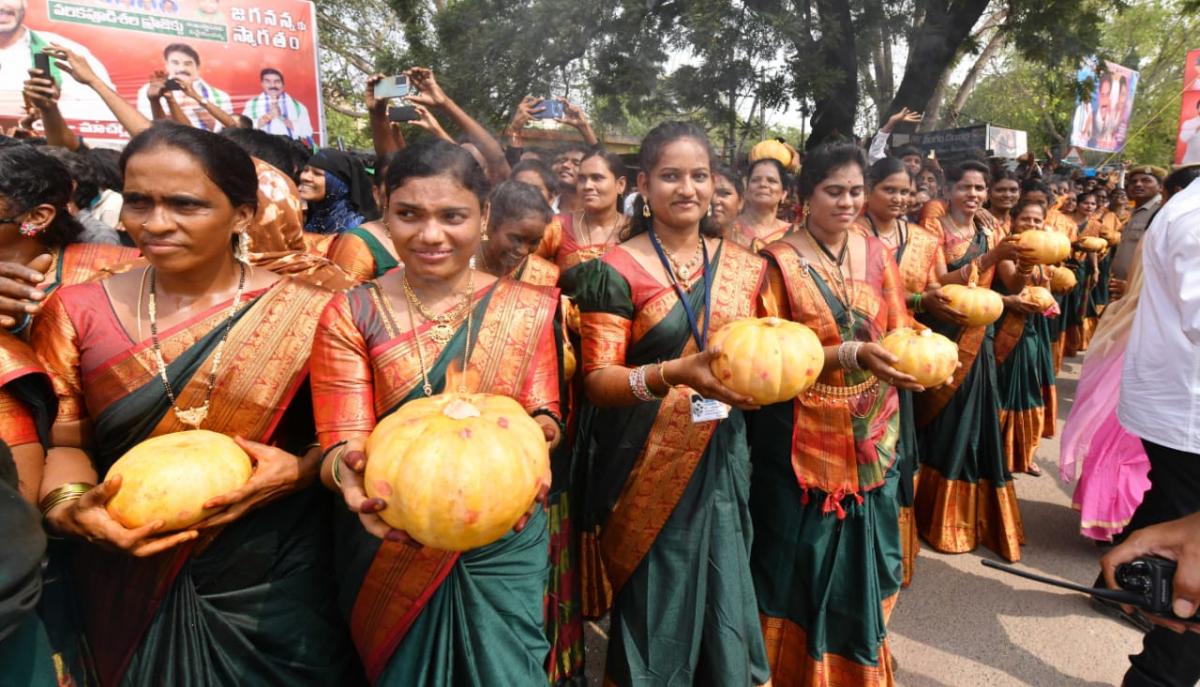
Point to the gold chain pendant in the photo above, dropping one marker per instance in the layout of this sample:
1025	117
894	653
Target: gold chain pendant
193	417
441	333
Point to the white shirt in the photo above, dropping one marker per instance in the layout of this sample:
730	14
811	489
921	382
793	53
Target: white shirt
1160	383
878	149
294	110
1189	135
76	101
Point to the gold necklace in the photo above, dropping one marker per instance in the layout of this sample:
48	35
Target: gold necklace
684	271
195	416
443	324
587	229
835	267
426	387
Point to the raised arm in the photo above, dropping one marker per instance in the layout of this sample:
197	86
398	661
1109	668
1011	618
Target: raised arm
385	137
430	94
227	120
133	121
42	93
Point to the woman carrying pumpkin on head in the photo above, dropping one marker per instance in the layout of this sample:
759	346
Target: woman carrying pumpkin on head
825	480
197	338
669	486
766	191
958	425
420	615
1024	355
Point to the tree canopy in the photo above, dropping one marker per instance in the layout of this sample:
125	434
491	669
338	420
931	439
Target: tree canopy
728	64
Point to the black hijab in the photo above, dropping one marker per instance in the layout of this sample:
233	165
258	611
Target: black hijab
355	200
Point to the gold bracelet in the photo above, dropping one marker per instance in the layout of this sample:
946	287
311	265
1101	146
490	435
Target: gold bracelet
336	471
71	491
662	377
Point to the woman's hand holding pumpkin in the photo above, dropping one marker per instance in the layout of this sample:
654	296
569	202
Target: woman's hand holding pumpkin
88	518
695	372
878	361
276	473
350	474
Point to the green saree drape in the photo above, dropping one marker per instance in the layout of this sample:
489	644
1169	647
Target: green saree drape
683	608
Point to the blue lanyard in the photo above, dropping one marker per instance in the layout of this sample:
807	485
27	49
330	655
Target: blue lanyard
700	336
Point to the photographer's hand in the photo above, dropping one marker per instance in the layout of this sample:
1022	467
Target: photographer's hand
1177	540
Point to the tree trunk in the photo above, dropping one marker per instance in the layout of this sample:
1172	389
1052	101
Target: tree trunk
835	109
932	120
933	48
968	84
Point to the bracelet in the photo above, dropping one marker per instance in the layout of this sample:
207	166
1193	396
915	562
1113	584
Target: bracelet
637	384
662	377
335	472
918	306
71	491
848	355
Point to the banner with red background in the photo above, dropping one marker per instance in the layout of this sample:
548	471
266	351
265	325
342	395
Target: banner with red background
1187	143
124	41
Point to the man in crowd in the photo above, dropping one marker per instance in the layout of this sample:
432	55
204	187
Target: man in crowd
276	112
1144	188
182	63
18	45
565	167
1160	403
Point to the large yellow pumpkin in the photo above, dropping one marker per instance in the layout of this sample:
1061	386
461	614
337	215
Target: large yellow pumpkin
170	478
928	356
1039	296
768	359
1047	247
1092	244
772	149
457	470
980	305
1062	279
569	362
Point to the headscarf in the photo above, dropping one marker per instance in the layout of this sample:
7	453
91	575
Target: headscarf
277	236
348	201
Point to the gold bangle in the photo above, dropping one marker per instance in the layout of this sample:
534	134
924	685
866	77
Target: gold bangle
71	491
335	472
662	377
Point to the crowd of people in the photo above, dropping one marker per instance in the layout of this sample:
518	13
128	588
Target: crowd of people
238	283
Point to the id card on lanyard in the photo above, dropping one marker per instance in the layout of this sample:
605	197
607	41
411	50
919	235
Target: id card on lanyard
703	409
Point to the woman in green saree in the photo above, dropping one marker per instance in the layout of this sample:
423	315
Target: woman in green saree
419	615
669	487
242	597
1024	357
965	492
824	494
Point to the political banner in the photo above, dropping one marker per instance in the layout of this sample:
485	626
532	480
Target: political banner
1101	120
253	58
1187	146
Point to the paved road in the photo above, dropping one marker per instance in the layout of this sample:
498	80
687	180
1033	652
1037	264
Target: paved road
962	624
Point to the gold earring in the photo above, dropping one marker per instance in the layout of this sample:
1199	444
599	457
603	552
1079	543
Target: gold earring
483	235
645	209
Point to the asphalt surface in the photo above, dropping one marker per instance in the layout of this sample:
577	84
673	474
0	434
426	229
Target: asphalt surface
962	624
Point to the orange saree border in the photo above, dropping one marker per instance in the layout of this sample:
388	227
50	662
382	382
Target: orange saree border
675	445
17	359
1008	333
538	271
279	328
401	579
793	666
955	516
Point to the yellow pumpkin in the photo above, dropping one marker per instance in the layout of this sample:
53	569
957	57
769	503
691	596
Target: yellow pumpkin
457	470
928	356
772	149
768	359
1111	236
1092	244
569	362
1039	296
170	478
1062	279
1048	247
981	306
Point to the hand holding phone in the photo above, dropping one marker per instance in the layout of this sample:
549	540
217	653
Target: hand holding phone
548	108
407	113
172	85
41	62
392	87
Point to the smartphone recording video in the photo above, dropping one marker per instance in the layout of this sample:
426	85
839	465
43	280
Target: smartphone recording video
408	113
551	109
392	87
